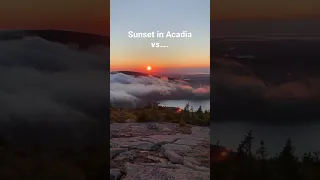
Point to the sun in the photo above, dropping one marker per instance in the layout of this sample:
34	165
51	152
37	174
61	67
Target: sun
149	68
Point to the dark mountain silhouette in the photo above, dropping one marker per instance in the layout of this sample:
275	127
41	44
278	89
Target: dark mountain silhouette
131	73
82	40
137	74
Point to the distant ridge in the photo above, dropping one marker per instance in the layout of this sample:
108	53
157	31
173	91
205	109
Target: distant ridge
83	40
131	73
137	74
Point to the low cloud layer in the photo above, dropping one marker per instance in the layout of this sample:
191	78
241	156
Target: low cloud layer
127	90
250	97
235	76
42	80
52	94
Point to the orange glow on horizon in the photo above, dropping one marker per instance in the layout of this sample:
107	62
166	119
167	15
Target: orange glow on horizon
155	67
140	63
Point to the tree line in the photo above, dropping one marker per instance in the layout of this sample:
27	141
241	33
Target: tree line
247	164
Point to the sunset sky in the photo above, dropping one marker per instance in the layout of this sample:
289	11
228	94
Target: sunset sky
90	16
93	15
161	15
261	18
266	9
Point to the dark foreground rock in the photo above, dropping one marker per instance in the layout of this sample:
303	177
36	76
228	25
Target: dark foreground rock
157	151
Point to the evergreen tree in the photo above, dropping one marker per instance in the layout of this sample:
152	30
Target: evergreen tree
288	168
245	146
186	112
248	146
262	151
287	153
199	111
192	112
186	108
200	115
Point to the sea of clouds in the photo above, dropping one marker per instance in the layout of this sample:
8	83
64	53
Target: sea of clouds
42	80
46	80
53	94
127	90
237	89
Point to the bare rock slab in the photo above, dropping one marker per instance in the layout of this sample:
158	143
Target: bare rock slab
173	157
116	151
180	149
134	172
132	142
188	142
156	151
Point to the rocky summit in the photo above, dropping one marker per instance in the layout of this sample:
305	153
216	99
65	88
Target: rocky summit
159	151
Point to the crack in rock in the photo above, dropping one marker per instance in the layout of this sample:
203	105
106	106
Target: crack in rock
148	151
